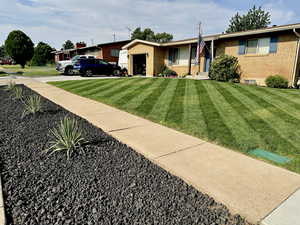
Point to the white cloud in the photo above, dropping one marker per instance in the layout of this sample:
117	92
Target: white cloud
54	21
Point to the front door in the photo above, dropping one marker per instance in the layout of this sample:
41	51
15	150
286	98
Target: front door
139	64
207	61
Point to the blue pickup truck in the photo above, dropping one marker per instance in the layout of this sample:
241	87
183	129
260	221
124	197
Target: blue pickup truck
89	67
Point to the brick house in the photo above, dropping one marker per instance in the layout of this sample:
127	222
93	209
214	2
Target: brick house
261	53
106	51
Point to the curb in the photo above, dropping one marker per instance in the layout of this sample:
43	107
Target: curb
2	212
287	213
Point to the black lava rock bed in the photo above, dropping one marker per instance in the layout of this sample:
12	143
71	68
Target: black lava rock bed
106	182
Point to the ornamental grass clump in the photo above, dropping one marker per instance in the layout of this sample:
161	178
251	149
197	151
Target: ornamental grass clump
67	137
32	105
17	93
10	86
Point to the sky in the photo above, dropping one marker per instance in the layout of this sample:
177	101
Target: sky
97	21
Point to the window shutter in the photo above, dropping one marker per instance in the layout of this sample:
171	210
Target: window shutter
170	56
273	44
242	47
177	56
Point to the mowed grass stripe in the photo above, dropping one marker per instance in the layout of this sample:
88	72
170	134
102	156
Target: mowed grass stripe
216	128
137	100
160	109
124	100
149	102
273	141
91	86
280	114
66	84
106	87
83	85
193	120
279	98
285	130
119	90
246	137
77	84
175	112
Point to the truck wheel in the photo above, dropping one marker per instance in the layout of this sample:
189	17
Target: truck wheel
88	73
69	71
116	72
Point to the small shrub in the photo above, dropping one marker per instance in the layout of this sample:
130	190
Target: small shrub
17	93
67	137
225	68
166	72
11	85
276	81
33	105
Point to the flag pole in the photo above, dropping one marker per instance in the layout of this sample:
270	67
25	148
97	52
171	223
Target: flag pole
199	55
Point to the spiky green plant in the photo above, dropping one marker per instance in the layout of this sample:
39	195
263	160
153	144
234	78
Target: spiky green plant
11	85
32	105
67	137
17	93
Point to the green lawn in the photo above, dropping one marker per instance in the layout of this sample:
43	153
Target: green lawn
32	71
237	116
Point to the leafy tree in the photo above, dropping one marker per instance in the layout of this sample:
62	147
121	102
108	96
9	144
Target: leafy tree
42	54
68	45
2	52
149	35
19	47
255	18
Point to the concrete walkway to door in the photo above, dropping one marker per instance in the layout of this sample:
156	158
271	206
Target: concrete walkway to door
245	185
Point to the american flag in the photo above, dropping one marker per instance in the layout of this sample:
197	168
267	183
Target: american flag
200	47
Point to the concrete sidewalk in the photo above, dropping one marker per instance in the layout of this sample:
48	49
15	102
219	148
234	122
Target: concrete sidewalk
246	186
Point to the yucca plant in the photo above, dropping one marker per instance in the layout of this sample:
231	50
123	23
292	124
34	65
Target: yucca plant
67	137
33	104
17	93
10	86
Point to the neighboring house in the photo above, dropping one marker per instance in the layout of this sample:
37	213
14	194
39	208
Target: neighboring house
261	53
106	51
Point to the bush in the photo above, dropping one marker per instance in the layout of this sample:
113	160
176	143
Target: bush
67	137
17	93
225	68
277	81
32	105
166	72
10	86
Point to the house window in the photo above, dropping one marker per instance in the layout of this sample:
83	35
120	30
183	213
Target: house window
173	56
114	52
193	54
258	46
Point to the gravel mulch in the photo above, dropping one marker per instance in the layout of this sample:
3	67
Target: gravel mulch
105	182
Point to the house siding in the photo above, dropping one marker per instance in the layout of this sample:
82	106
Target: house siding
259	67
142	49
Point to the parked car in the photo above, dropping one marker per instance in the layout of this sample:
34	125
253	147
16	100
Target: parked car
89	67
6	62
66	66
123	62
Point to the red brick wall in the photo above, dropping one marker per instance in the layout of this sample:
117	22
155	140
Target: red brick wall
106	51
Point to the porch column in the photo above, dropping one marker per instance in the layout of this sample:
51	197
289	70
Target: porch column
190	59
212	50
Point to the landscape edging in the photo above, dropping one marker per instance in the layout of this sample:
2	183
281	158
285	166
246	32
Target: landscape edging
2	210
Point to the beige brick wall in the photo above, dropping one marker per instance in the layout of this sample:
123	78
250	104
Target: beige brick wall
142	49
159	57
184	69
259	67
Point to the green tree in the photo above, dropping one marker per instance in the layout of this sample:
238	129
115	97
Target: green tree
255	18
68	45
19	47
42	54
3	53
149	35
